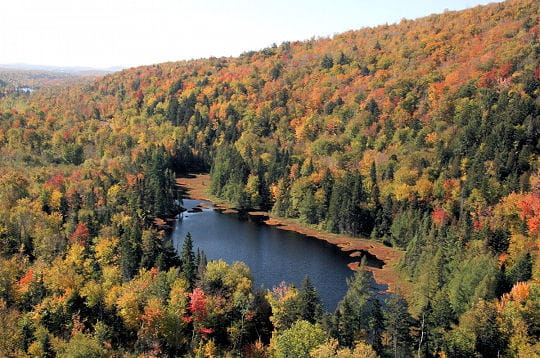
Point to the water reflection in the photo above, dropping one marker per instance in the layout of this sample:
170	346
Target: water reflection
273	255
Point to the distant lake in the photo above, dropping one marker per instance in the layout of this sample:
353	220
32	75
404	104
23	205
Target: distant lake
273	255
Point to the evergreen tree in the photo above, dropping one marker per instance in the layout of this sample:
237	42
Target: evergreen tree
44	343
521	271
201	264
188	260
436	317
310	302
397	323
175	87
343	59
308	208
130	252
327	62
150	247
376	326
229	174
260	325
373	108
359	311
337	199
361	221
325	184
172	110
346	212
167	257
347	324
375	191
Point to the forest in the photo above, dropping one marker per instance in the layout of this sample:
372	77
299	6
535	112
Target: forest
423	135
17	82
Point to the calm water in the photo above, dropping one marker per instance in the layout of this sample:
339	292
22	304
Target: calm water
273	255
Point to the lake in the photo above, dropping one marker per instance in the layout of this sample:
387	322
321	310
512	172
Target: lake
273	255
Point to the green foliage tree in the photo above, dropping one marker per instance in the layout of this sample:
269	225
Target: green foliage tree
284	302
229	174
478	331
475	279
331	349
74	154
297	341
81	345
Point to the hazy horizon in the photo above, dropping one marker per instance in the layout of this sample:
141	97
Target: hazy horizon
53	68
124	33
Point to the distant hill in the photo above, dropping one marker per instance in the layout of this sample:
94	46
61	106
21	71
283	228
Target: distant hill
31	77
66	69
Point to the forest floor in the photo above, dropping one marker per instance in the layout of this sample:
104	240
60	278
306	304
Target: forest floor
196	186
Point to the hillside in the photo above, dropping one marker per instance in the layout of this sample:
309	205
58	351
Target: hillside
423	135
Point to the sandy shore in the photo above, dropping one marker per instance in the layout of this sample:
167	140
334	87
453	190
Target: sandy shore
196	187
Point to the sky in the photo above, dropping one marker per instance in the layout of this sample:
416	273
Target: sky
124	33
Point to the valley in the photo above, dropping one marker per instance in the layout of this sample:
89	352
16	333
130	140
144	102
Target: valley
197	187
415	144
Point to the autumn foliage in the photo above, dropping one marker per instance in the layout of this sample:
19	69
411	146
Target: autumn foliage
530	211
423	135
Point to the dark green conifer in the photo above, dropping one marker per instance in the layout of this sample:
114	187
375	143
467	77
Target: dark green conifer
310	302
188	260
397	323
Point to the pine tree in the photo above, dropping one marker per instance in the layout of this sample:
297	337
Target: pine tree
188	260
347	326
359	310
375	191
376	325
343	59
310	302
172	110
168	257
327	62
130	252
201	264
521	271
397	322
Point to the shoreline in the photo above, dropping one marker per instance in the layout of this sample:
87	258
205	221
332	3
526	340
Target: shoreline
195	186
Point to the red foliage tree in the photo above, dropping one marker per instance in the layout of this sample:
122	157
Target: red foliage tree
80	235
439	216
530	211
197	304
